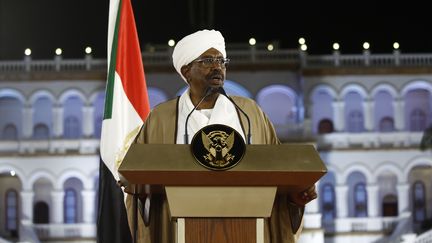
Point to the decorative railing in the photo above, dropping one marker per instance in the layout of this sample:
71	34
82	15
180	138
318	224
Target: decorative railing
378	224
244	56
50	146
341	140
64	231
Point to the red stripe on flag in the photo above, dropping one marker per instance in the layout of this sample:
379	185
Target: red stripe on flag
129	64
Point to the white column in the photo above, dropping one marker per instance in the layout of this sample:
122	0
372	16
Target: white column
372	202
27	122
342	201
339	117
403	197
87	121
368	115
58	121
88	206
27	205
57	215
399	114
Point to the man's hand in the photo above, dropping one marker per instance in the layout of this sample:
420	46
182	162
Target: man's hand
302	198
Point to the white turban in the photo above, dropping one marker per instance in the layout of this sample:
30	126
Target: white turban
194	45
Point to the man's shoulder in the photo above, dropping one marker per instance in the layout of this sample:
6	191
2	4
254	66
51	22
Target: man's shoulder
165	106
244	101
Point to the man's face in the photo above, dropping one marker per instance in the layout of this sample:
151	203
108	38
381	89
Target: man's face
208	70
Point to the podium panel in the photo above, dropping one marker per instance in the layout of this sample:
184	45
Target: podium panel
217	230
220	201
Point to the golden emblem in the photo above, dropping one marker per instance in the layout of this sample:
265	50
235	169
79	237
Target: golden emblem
218	147
218	144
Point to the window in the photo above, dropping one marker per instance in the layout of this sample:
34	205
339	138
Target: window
41	213
70	206
386	124
11	210
417	120
419	201
72	128
328	202
40	131
355	121
325	126
360	200
10	132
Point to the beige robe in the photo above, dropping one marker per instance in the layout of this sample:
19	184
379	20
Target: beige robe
161	128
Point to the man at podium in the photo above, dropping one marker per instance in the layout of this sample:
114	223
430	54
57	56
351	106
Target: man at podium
201	61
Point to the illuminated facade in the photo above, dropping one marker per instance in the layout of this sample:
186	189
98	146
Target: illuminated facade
365	113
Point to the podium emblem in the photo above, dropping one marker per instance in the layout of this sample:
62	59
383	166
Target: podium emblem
218	147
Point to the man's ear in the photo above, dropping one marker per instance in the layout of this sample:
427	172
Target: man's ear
185	71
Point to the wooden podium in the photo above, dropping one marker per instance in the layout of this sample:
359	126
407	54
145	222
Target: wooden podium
220	206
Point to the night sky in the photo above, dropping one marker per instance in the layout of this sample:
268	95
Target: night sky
44	25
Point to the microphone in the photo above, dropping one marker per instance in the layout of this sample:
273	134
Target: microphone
249	135
208	92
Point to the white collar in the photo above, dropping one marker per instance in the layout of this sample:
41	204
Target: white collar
224	112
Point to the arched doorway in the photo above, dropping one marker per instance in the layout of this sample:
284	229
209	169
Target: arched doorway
390	206
41	213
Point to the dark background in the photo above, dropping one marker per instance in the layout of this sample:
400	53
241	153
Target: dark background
44	25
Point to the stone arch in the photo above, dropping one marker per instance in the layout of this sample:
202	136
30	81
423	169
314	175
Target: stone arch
41	93
72	92
353	88
385	166
67	174
322	87
7	168
416	84
275	113
358	167
8	92
384	87
420	160
36	175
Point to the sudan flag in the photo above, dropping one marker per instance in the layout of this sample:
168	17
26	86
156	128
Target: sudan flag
126	108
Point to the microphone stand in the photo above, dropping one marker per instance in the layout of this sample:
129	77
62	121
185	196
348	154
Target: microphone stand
208	92
249	135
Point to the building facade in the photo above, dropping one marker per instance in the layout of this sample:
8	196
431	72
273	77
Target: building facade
366	114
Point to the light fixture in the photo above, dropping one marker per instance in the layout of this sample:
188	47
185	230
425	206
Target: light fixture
396	45
366	45
303	47
88	50
270	47
252	41
171	42
301	41
336	46
58	51
27	52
